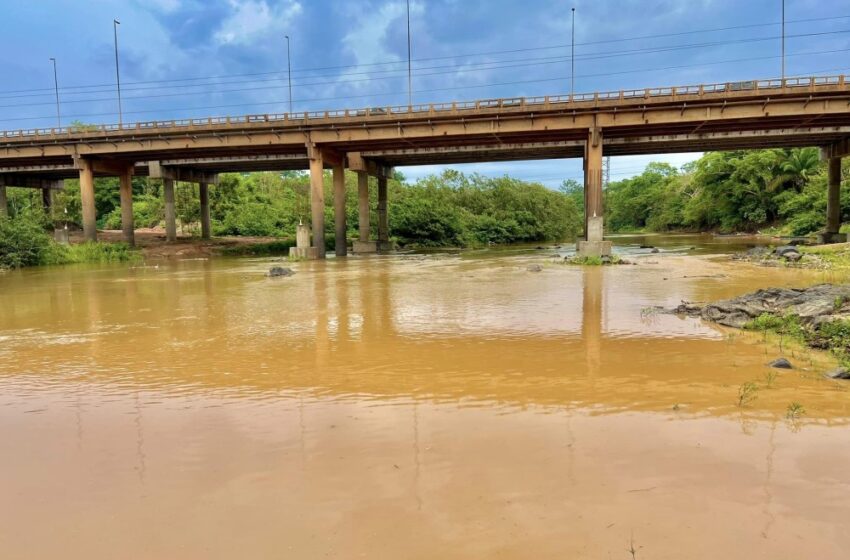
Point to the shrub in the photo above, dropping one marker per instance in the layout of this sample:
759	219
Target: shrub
23	240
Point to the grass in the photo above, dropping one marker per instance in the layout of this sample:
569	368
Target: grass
260	249
91	252
794	411
747	393
834	335
591	261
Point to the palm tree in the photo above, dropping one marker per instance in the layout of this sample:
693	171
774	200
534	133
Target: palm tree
796	166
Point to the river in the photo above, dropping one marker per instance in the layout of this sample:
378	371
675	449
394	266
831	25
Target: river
412	406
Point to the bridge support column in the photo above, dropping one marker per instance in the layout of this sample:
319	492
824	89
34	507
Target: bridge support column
126	190
87	201
340	222
170	211
593	244
383	218
4	202
833	204
364	244
47	199
206	224
317	201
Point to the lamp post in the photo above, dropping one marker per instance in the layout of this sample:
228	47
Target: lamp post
409	67
573	56
115	24
56	89
289	72
783	41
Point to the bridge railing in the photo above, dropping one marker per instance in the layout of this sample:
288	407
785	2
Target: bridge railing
688	91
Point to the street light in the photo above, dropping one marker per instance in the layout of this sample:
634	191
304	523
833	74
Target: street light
783	41
56	88
115	24
289	72
573	56
409	68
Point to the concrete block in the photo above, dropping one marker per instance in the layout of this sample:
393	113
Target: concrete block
364	246
594	228
593	248
309	253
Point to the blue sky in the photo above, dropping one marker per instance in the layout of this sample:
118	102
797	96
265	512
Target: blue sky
182	58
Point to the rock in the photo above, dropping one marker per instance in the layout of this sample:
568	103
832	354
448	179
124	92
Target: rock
780	251
838	373
781	363
605	259
792	256
655	250
534	268
279	271
539	248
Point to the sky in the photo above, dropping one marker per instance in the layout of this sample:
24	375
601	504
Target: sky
194	58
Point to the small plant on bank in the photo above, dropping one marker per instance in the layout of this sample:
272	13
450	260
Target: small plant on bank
592	260
794	411
770	378
747	393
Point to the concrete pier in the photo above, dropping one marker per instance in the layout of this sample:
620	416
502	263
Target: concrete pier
126	191
383	218
206	224
340	223
302	249
87	200
4	202
170	210
317	202
364	244
47	199
593	244
833	204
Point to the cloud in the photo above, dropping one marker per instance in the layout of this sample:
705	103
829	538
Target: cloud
250	18
166	6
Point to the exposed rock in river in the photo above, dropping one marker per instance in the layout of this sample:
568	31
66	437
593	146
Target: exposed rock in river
279	271
815	305
781	363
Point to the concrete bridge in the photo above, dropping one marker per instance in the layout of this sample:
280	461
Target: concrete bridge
793	112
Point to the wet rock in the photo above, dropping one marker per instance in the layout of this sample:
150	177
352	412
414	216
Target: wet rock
605	259
534	268
781	251
279	271
781	363
838	373
539	248
792	256
655	250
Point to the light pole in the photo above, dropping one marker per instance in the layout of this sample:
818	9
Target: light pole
56	89
289	72
409	68
783	41
573	56
115	24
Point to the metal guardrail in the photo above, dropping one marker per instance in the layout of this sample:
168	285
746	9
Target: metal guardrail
436	108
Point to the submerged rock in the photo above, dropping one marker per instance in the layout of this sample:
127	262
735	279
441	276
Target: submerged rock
279	271
781	363
534	268
838	373
655	250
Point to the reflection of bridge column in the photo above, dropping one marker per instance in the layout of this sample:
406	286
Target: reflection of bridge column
593	245
591	325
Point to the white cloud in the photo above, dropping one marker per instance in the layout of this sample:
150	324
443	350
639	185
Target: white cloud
166	6
250	18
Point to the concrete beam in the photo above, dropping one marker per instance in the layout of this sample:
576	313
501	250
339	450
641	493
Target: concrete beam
839	149
357	162
105	166
157	170
327	155
30	182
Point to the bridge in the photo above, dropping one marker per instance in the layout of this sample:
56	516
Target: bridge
791	112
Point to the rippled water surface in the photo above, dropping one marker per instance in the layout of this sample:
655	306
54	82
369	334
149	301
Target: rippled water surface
440	406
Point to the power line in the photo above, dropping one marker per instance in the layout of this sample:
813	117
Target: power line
555	61
483	53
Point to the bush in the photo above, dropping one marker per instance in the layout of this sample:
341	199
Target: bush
23	240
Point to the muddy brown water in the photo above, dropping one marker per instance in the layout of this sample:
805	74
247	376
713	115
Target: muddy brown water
442	406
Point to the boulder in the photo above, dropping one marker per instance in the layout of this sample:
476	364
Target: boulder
780	251
792	256
534	268
781	363
838	373
279	271
655	250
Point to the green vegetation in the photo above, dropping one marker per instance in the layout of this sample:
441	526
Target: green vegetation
260	249
739	191
833	335
794	411
747	393
592	261
25	241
